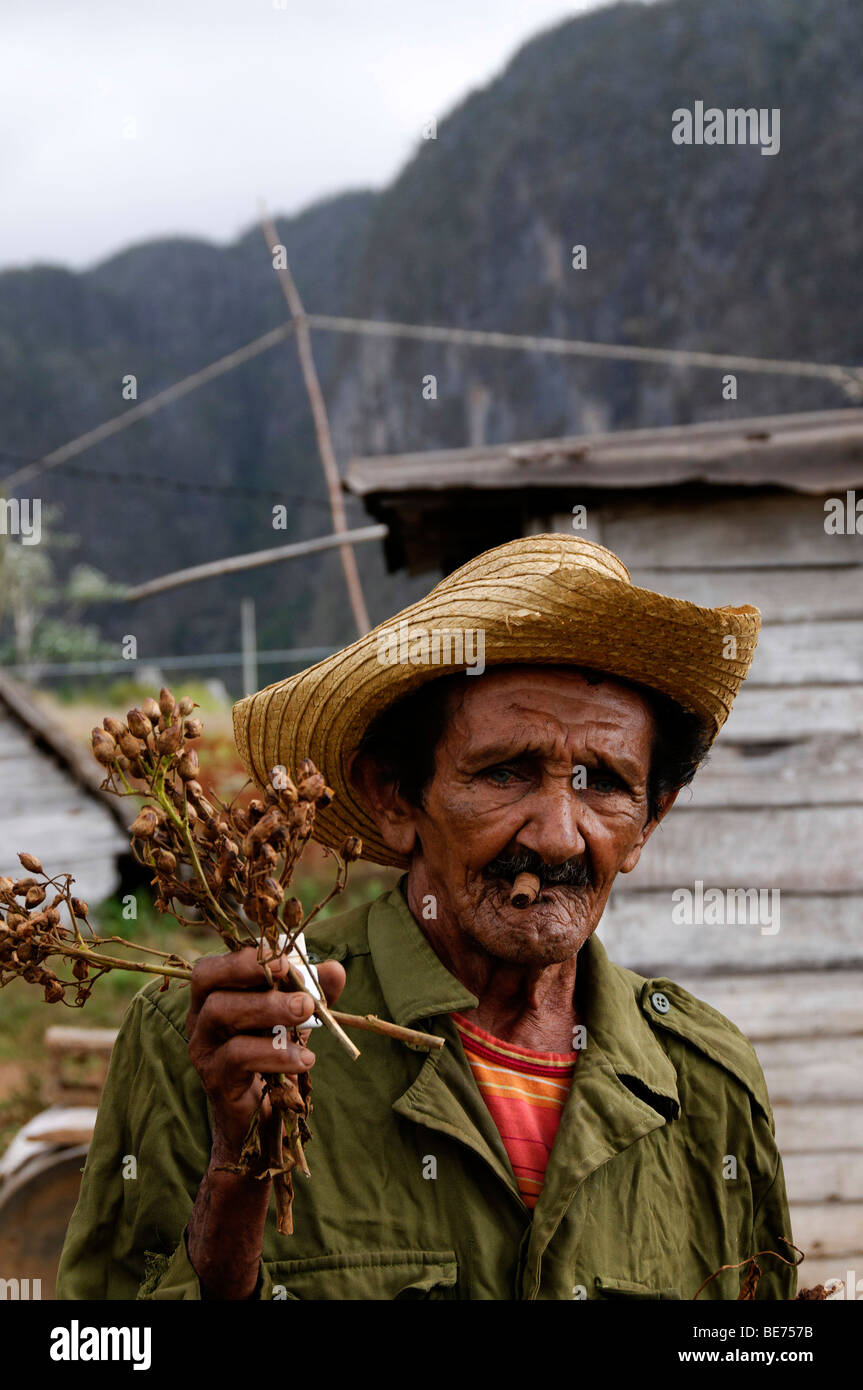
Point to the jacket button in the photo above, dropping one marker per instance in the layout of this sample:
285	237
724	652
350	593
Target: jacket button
660	1002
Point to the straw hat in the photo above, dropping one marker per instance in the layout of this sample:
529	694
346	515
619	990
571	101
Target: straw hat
555	599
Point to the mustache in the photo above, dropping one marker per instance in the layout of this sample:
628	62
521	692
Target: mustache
573	873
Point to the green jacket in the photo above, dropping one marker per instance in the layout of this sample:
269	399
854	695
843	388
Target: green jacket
664	1168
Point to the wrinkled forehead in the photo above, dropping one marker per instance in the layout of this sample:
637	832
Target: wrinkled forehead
510	699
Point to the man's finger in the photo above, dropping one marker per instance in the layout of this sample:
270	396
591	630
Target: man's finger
232	970
243	1056
237	1011
331	974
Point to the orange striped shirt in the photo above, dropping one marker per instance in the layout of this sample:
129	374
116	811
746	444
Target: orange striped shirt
525	1092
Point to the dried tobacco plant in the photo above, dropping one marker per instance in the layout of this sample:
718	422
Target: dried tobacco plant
231	866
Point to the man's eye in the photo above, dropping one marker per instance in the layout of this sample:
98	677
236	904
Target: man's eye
501	776
604	783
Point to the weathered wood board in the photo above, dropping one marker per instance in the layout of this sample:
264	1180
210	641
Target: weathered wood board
794	712
812	1069
827	1230
784	1004
816	771
788	595
759	532
809	653
816	933
810	1128
798	849
849	1270
47	812
824	1177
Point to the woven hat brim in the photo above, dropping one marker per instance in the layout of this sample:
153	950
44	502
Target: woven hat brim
562	613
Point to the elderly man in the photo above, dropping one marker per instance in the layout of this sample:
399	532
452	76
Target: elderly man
572	1139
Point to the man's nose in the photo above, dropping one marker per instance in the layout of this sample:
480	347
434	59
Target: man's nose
554	825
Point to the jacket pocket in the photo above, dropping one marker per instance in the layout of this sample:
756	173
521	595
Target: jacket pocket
606	1287
366	1275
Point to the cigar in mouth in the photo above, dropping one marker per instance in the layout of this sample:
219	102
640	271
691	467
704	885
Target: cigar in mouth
525	890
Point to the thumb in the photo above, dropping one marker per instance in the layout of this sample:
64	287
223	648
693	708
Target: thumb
332	977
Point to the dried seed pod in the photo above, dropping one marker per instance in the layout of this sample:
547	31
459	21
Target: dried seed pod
194	789
306	768
273	889
35	896
311	787
268	906
80	908
132	747
165	861
114	727
352	849
264	829
193	728
188	765
292	914
166	703
21	887
186	705
150	707
169	740
256	810
241	820
29	861
139	724
104	748
53	991
52	917
7	888
81	970
301	818
145	824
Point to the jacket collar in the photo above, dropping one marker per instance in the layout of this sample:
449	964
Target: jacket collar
416	985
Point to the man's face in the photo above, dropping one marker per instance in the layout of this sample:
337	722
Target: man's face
504	799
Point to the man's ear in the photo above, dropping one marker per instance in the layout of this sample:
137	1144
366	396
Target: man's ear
391	813
664	805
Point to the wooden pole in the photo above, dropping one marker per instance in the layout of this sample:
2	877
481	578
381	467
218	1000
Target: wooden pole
322	425
249	645
213	568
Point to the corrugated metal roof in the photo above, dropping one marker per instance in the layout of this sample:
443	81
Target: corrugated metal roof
812	453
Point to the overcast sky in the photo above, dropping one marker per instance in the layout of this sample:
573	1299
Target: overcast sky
123	121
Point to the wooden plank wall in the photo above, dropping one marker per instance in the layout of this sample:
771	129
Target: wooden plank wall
45	811
779	806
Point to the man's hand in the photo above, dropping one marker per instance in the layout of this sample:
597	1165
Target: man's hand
231	1028
230	1025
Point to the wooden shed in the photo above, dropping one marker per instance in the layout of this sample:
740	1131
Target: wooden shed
50	802
756	511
